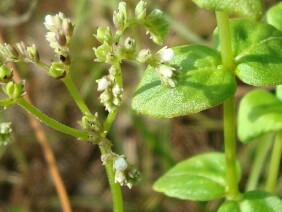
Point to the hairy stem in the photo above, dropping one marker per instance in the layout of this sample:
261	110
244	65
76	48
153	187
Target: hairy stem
274	163
229	107
51	122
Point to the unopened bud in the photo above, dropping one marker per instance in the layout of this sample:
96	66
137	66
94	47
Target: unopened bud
61	38
104	35
32	53
140	10
5	74
57	70
120	164
144	55
14	90
67	27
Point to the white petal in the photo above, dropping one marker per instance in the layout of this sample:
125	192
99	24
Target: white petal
103	84
166	55
165	70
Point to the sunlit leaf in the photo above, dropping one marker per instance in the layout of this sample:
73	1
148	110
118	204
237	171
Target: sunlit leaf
247	8
260	112
200	178
258	201
274	16
257	51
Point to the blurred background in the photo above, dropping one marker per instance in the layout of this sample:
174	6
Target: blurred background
154	145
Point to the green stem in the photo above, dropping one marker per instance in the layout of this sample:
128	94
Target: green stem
274	163
51	122
260	156
115	187
229	107
225	40
75	94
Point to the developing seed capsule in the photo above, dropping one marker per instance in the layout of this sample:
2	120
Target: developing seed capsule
5	74
57	70
14	90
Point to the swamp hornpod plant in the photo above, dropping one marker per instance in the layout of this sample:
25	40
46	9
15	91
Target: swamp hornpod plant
178	81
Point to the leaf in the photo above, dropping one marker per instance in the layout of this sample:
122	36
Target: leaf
260	112
258	201
246	8
200	178
257	51
156	24
279	92
274	16
202	83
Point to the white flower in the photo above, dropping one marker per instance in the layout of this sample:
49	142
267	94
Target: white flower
103	84
120	178
120	164
48	20
166	55
166	71
117	90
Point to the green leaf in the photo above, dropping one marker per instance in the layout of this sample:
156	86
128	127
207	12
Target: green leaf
260	112
257	201
274	16
200	178
257	51
279	92
247	8
202	83
157	25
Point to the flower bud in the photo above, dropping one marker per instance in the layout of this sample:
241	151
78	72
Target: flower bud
165	55
57	70
140	10
32	53
102	52
103	83
14	90
61	38
144	55
104	35
67	27
120	16
120	164
129	45
5	132
5	74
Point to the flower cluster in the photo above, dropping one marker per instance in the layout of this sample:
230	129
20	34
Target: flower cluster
161	62
59	35
5	132
9	53
91	124
12	89
111	92
125	174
